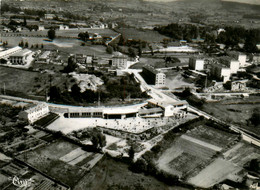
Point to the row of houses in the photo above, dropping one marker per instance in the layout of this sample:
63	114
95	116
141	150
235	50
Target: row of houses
221	68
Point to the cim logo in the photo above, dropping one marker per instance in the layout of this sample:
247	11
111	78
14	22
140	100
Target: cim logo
21	182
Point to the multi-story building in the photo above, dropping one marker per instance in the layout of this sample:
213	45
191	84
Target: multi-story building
241	58
231	63
196	64
21	57
221	72
153	76
119	60
35	112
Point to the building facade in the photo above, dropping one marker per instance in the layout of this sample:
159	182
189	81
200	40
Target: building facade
21	57
119	60
153	76
35	113
220	72
196	64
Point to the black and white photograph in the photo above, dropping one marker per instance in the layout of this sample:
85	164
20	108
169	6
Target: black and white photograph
130	95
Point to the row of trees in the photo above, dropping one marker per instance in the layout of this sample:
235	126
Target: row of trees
26	45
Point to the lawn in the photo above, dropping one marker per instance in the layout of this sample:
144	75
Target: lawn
17	80
150	36
26	82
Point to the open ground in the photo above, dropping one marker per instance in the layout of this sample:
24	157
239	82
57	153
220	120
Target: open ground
236	111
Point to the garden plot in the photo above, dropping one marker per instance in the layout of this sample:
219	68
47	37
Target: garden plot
242	153
214	173
212	136
75	156
185	156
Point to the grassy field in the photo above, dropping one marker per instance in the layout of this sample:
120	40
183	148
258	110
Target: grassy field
115	175
150	36
18	80
236	111
26	82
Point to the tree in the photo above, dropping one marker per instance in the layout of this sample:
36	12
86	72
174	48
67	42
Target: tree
75	92
121	40
51	34
84	36
131	153
131	52
21	44
98	139
109	50
24	21
55	93
255	118
254	165
71	65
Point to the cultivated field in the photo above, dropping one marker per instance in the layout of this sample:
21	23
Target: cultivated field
215	173
212	136
195	150
242	153
47	159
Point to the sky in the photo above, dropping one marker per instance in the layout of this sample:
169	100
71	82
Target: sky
256	2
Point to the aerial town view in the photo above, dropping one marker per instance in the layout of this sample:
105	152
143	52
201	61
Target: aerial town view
129	94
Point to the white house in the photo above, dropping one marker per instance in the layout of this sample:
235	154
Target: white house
35	112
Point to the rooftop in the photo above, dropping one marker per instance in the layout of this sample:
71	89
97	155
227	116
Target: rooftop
167	103
21	53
